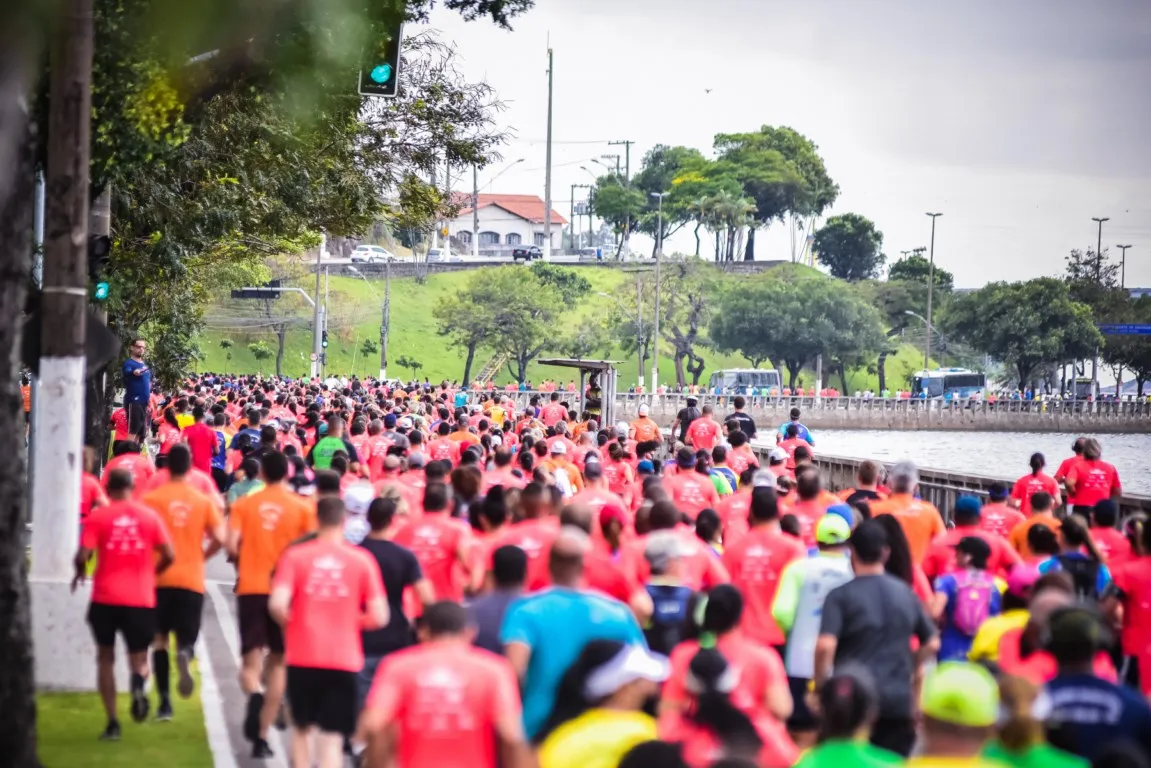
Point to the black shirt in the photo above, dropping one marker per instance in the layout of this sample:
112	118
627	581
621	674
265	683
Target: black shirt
859	495
400	570
685	417
746	423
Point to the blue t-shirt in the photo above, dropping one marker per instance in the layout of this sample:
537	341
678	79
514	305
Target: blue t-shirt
1102	578
556	624
461	399
1093	714
804	433
953	644
220	457
245	437
137	389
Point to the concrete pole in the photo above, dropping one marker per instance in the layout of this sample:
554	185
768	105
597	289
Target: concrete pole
475	212
930	291
385	325
317	330
548	170
64	304
658	258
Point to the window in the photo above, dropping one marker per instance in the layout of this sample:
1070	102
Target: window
540	239
489	238
464	236
513	238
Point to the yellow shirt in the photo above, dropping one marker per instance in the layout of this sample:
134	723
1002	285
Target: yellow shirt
953	762
599	738
184	420
985	646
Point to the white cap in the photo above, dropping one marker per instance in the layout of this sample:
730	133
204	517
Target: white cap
622	429
405	423
778	455
559	447
633	662
643	410
763	479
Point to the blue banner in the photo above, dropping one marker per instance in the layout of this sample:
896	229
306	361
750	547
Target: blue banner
1129	329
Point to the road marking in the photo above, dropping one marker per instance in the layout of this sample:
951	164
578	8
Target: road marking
223	755
223	608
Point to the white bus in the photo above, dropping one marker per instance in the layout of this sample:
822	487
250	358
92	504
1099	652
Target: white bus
742	380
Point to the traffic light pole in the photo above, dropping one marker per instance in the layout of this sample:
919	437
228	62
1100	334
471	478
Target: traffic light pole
317	329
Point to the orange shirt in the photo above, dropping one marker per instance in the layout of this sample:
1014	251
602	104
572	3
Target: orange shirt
331	583
691	492
445	698
755	563
1018	535
920	520
646	430
124	535
198	479
444	449
436	540
535	538
268	521
189	516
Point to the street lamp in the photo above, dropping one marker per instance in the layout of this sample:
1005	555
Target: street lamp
385	311
617	158
926	323
1123	266
658	255
930	289
1098	276
506	168
636	318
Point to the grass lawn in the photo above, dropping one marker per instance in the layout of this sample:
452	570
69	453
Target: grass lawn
355	316
69	725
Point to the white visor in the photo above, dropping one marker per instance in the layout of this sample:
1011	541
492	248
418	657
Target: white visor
633	662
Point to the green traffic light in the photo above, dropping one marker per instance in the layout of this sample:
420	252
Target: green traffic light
382	73
102	290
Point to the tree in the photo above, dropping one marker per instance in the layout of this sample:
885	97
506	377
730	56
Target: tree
585	339
781	171
368	348
915	269
261	351
791	322
618	204
1025	325
850	246
410	364
226	345
662	167
570	284
687	290
894	299
1132	352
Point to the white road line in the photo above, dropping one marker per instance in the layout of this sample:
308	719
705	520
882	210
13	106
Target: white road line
219	742
223	607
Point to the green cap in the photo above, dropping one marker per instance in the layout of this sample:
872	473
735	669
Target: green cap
832	530
961	693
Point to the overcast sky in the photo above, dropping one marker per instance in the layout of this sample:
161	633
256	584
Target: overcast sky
1019	120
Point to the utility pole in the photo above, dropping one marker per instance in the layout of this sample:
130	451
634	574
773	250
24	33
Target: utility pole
658	257
324	356
317	328
64	301
639	330
626	144
386	321
548	170
930	290
1098	278
572	228
590	222
475	211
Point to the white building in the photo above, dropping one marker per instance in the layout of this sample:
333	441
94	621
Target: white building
505	221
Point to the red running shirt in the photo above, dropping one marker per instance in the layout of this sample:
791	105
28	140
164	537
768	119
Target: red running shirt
124	535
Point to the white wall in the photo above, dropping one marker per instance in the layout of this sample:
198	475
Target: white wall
496	219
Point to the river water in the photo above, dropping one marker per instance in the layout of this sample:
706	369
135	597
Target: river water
997	454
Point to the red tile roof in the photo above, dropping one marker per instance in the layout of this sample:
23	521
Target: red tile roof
528	207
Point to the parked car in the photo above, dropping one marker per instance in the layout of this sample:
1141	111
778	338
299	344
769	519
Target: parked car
527	253
371	254
441	255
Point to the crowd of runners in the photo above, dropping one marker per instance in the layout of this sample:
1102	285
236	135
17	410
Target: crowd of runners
427	577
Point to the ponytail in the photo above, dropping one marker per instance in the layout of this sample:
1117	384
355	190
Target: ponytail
712	680
1021	730
1038	462
848	704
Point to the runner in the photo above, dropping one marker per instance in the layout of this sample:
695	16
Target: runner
643	429
741	418
1130	597
196	528
441	543
683	420
323	593
920	520
508	573
999	514
703	433
690	490
1091	480
848	704
965	598
260	527
1042	514
442	699
960	702
1032	483
131	547
967	518
866	485
802	431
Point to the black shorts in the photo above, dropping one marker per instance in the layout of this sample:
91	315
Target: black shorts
802	718
138	419
257	627
324	698
179	611
136	625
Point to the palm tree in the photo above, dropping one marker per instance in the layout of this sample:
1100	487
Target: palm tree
732	214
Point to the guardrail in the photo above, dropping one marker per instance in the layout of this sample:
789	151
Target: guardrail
940	487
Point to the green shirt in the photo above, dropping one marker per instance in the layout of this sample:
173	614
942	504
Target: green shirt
1040	756
839	753
325	450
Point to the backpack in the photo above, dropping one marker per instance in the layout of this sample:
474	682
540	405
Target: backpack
973	593
1084	571
669	616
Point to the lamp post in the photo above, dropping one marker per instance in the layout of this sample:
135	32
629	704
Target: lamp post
1098	276
927	324
385	312
638	320
658	256
930	290
1123	265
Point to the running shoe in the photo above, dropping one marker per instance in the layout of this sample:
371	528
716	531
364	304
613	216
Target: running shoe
261	749
140	703
183	664
164	711
252	717
111	733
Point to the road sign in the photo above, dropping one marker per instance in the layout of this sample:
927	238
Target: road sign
315	357
1126	329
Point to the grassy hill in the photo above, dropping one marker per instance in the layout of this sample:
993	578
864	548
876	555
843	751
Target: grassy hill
355	316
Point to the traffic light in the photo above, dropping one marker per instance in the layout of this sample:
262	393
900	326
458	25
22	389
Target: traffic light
324	339
101	293
271	290
99	249
380	75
